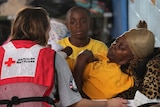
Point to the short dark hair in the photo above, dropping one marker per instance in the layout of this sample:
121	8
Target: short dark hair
78	8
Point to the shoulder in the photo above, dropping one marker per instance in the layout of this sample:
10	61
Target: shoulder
97	42
63	40
151	83
1	52
98	45
47	51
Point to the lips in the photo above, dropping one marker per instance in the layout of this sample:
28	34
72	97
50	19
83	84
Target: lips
79	33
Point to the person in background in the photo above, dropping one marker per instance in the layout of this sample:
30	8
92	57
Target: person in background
30	71
112	73
78	22
57	32
94	6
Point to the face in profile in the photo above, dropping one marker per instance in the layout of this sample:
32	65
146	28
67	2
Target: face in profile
119	52
78	23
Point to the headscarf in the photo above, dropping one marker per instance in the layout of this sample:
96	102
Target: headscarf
140	41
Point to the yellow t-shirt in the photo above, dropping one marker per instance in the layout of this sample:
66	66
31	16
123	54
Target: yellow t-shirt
94	45
103	79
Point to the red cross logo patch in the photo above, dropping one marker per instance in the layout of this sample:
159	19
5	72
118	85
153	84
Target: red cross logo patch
10	62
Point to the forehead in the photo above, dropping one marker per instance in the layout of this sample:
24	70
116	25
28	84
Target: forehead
79	13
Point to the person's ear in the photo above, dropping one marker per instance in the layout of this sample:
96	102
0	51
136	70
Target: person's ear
66	23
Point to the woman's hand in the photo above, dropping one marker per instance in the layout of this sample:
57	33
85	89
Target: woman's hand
87	56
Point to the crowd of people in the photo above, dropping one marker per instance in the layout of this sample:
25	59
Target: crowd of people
34	74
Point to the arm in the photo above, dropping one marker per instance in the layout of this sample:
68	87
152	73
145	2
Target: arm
151	79
72	98
81	62
114	102
65	52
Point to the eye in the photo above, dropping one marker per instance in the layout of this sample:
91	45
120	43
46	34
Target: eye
83	21
72	22
121	47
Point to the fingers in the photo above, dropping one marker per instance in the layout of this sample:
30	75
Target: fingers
94	59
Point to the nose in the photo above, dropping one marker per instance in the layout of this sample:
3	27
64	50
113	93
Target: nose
78	24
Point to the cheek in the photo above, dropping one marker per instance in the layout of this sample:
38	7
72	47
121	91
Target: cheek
122	58
125	58
71	28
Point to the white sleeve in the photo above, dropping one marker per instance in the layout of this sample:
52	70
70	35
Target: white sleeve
66	85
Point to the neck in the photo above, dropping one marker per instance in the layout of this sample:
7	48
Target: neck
79	42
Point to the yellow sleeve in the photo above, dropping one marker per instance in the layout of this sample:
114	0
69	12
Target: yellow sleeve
98	46
71	63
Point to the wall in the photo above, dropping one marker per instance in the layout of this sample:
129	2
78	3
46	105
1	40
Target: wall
120	17
148	10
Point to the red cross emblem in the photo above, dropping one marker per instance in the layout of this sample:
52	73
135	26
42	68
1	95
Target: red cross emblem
10	62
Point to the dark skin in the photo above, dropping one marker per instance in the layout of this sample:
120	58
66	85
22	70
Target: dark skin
118	52
82	60
78	23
